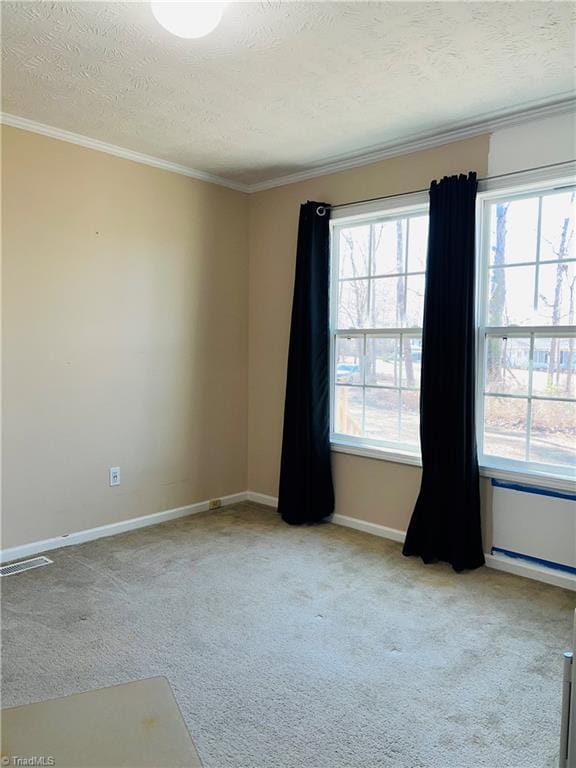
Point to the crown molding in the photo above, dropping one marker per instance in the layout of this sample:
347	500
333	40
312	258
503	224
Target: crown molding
418	142
15	121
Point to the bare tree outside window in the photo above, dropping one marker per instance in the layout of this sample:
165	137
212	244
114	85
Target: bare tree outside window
496	353
561	248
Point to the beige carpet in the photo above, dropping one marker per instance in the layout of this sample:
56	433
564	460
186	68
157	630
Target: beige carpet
299	647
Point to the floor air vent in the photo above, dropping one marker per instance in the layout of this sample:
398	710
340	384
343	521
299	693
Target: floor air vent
23	565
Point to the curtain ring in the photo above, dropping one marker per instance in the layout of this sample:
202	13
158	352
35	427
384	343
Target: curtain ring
321	211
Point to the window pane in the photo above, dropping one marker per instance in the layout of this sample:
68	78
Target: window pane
353	303
505	427
375	295
554	282
388	310
513	231
410	418
348	410
557	228
390	247
553	432
417	244
411	361
507	365
385	302
382	414
511	296
554	367
382	361
354	254
537	424
415	301
349	360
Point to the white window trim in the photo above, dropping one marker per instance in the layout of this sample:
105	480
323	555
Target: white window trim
497	467
399	204
500	469
416	203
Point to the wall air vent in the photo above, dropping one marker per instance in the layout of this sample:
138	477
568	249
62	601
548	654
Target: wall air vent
23	565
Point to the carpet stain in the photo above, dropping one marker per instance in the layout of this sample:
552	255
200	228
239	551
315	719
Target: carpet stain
149	723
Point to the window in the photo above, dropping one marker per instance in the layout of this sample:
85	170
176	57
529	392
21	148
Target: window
527	331
378	271
526	372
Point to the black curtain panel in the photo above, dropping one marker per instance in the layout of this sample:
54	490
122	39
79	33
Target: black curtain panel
306	494
445	524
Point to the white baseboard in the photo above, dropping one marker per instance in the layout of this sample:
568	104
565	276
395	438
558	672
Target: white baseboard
79	537
531	571
349	522
262	498
498	562
374	528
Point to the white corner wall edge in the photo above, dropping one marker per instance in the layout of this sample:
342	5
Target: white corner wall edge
540	142
497	562
80	537
15	121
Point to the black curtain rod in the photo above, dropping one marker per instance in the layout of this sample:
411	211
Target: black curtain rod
416	191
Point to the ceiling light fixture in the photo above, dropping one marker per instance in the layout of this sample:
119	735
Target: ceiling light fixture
188	18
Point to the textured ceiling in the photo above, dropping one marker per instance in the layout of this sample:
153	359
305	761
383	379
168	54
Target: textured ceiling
280	86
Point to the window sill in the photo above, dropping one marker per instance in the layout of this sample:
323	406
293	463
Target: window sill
374	452
540	479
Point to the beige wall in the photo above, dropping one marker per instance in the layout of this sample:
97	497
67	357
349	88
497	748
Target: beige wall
146	321
125	338
368	489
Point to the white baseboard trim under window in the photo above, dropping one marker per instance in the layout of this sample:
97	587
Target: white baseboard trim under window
79	537
498	562
513	565
529	570
374	528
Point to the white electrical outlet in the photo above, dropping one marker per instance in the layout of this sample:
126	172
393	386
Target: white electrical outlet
114	475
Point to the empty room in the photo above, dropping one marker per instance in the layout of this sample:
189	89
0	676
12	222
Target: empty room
288	384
